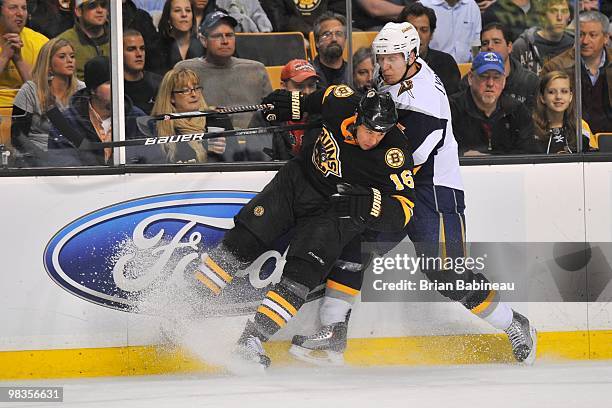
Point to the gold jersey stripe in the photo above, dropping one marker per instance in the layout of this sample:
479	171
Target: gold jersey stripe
407	206
282	302
484	305
217	269
341	288
210	284
327	92
275	317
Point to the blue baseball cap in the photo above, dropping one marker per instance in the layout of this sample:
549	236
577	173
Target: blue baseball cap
212	19
486	61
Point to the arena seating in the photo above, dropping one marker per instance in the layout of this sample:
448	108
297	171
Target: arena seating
5	125
271	49
464	68
275	73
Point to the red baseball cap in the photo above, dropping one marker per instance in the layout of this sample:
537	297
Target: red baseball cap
298	70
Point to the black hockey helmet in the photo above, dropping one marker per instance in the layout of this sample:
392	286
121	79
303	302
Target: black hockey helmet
377	111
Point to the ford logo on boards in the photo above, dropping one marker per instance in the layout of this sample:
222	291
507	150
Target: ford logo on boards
114	254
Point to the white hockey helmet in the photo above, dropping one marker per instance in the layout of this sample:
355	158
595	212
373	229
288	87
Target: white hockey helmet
395	38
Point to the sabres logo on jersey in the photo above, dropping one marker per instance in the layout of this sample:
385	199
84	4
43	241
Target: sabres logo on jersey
326	155
406	86
395	158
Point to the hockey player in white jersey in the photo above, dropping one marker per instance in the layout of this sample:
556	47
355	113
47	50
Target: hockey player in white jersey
438	225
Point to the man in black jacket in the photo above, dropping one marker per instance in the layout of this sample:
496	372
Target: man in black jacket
139	20
89	119
486	121
140	85
444	65
521	84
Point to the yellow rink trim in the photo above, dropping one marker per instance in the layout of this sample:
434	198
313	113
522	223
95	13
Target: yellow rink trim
419	350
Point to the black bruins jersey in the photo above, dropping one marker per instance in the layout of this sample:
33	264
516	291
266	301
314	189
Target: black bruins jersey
336	157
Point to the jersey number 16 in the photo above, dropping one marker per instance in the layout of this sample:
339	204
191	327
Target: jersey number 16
404	179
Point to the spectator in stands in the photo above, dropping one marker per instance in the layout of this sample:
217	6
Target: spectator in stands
50	17
90	35
537	45
586	5
486	121
53	83
521	84
227	80
554	117
484	4
595	67
291	15
140	85
141	21
250	15
89	118
330	38
297	75
150	6
517	15
204	8
180	91
454	40
372	15
363	69
178	32
20	46
424	20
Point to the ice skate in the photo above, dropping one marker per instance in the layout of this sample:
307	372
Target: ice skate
250	351
523	338
325	347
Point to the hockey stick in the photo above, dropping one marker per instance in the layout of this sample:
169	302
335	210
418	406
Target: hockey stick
150	141
214	111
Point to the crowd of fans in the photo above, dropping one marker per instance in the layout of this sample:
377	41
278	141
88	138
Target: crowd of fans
180	55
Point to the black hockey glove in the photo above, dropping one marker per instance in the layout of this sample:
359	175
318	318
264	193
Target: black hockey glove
361	204
287	106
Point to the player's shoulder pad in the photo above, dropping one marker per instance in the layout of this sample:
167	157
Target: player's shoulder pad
338	91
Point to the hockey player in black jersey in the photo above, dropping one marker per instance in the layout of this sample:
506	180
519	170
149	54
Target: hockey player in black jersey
439	221
337	188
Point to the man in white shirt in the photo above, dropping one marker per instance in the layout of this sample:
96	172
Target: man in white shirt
458	28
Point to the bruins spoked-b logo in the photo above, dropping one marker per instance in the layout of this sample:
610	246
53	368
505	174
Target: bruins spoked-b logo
342	91
326	155
395	158
307	5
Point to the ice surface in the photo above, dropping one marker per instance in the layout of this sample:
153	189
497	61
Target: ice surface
559	385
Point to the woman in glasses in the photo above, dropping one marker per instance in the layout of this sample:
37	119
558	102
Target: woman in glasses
180	91
53	83
178	32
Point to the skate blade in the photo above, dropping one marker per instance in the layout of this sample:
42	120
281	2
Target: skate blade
530	360
238	366
317	357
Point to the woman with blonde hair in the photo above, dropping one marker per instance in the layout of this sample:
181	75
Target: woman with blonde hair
180	91
554	116
53	83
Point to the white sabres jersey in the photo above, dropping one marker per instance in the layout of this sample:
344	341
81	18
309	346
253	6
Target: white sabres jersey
425	113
